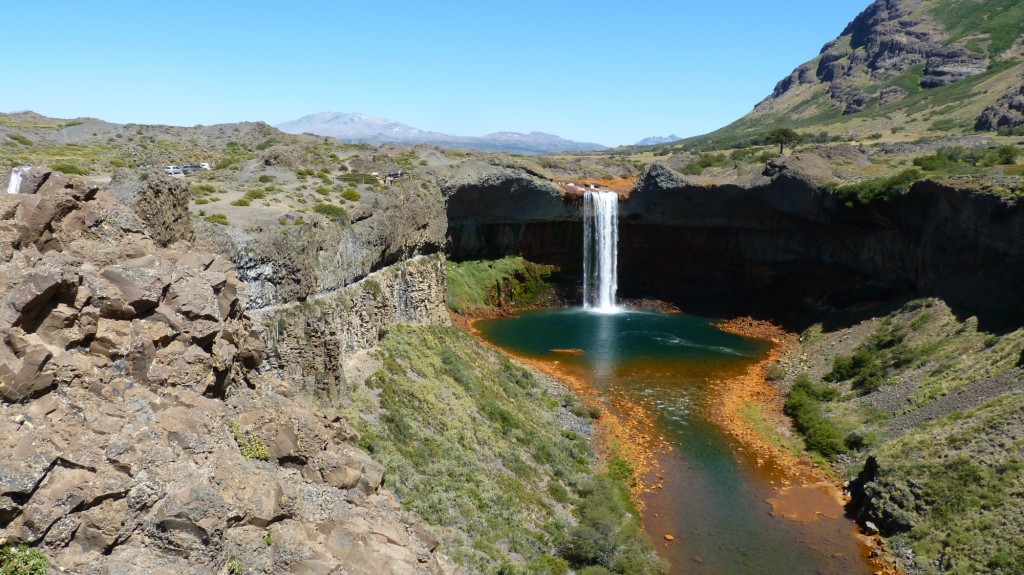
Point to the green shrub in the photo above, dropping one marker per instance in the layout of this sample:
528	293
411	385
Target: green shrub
803	405
23	560
235	566
351	195
251	446
266	179
619	469
219	219
594	570
256	194
878	189
1007	155
609	533
337	213
71	169
266	144
225	163
20	139
241	202
202	189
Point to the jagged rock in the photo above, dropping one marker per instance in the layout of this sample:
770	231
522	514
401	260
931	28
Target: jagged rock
121	364
1008	112
949	64
880	44
28	376
891	94
32	178
852	100
160	202
141	282
803	167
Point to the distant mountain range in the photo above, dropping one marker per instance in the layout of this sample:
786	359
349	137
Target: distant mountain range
361	128
654	140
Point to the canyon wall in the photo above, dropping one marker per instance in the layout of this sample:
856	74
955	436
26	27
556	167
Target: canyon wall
778	244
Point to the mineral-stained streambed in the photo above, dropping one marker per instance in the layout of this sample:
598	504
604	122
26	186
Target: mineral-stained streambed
726	514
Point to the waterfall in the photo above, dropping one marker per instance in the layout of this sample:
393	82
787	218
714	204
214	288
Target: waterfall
600	250
15	183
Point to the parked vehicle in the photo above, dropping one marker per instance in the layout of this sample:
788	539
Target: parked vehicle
205	166
173	170
191	168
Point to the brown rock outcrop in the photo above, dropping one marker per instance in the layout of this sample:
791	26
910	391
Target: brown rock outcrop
881	43
135	433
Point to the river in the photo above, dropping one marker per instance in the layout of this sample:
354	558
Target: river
709	495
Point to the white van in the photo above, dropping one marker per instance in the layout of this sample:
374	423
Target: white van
172	170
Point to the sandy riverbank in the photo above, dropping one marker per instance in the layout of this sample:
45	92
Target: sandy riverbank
804	490
626	431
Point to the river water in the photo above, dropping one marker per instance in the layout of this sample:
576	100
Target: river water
711	496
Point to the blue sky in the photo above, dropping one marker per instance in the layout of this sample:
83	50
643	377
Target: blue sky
605	72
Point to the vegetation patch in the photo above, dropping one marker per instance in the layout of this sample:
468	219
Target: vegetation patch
251	446
1001	20
20	139
947	437
71	169
877	189
472	442
953	490
23	560
508	281
336	213
804	405
219	219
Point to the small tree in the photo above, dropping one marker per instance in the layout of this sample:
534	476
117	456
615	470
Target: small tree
783	137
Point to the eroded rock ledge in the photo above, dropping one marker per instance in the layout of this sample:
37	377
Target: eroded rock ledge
136	433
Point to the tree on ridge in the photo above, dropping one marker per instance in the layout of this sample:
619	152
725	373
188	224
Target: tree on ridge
783	137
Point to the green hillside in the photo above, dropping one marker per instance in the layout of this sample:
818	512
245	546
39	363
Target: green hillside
900	71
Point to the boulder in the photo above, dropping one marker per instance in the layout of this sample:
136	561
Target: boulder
1008	112
159	201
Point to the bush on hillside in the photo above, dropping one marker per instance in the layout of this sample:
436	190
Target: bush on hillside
878	189
336	213
804	406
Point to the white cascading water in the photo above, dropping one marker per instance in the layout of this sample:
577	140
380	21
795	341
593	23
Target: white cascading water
600	250
15	184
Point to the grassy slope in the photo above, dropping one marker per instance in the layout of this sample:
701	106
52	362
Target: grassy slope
474	285
985	26
481	450
952	489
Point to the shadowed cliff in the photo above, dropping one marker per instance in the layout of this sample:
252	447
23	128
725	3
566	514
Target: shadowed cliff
779	245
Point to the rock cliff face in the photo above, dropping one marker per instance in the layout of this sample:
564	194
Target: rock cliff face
778	244
323	255
1008	112
881	43
893	54
495	211
308	342
136	431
